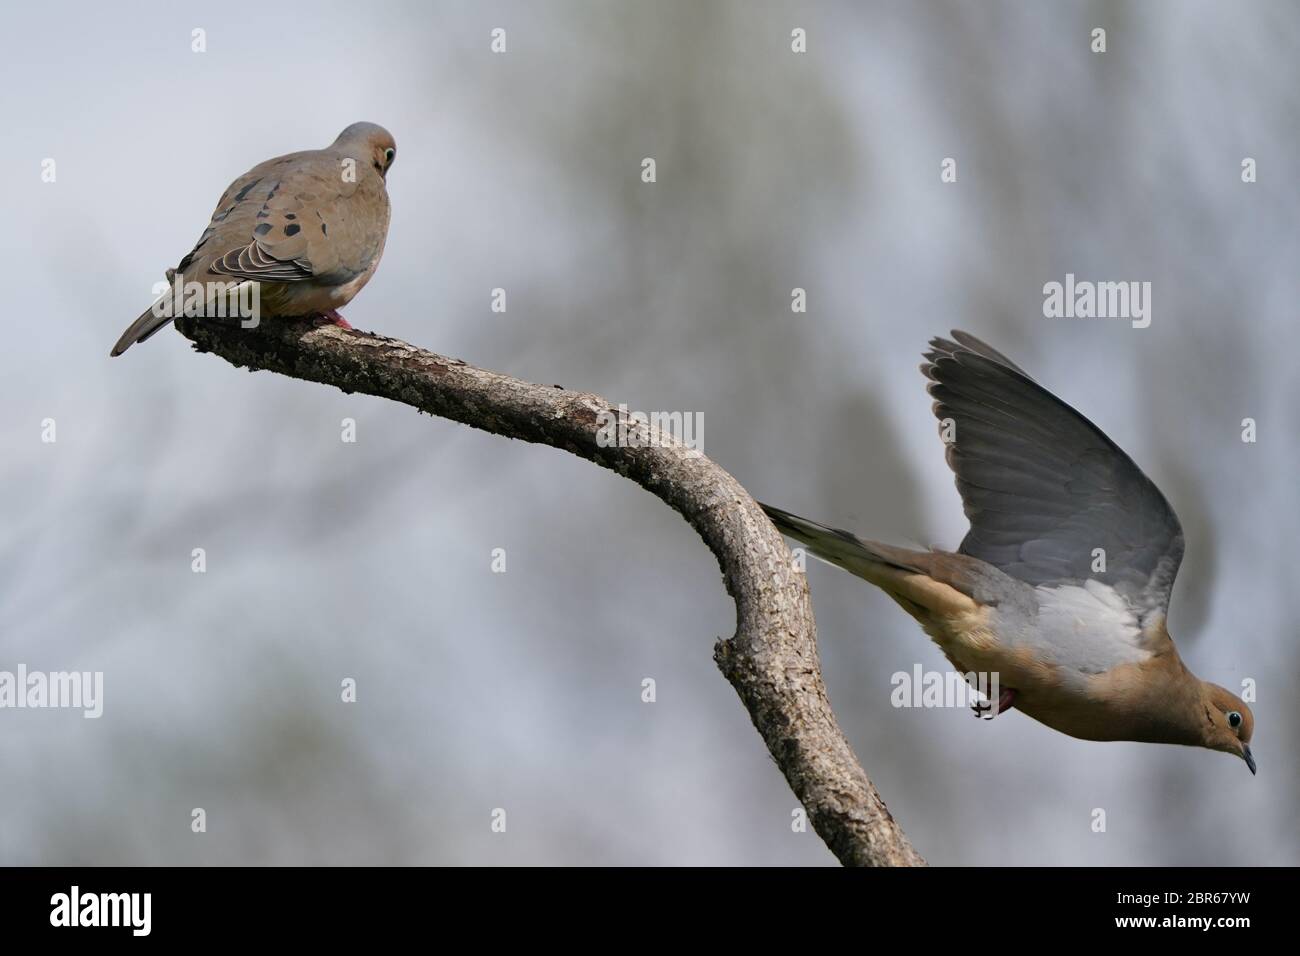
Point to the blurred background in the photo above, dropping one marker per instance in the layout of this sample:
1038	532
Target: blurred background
372	560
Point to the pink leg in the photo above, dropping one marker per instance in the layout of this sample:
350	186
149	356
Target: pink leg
1006	702
334	318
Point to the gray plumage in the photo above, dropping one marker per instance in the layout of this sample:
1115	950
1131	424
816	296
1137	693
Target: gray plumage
1084	651
1043	487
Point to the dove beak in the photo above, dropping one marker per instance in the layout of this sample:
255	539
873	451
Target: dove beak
1248	757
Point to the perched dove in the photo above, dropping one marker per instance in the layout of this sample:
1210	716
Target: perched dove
308	228
1084	651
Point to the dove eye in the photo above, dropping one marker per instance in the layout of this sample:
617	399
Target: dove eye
389	153
1234	719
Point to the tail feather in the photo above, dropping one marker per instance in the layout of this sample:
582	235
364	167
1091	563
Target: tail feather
841	548
141	329
923	582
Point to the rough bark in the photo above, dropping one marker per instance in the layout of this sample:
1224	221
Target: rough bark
772	660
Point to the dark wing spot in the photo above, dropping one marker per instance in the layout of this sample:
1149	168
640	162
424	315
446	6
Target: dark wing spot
292	229
323	230
271	194
263	229
239	196
290	215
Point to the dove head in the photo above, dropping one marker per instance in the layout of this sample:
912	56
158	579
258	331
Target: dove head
369	141
1229	723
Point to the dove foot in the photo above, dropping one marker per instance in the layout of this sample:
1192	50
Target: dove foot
334	318
1006	701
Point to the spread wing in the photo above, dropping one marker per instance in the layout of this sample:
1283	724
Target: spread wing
1043	487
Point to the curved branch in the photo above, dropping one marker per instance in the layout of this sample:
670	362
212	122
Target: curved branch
772	660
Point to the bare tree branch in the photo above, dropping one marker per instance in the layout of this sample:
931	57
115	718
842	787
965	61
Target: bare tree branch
771	661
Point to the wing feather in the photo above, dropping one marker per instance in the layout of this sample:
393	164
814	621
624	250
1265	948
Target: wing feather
1043	487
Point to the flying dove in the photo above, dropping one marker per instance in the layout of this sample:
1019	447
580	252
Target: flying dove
308	228
1049	498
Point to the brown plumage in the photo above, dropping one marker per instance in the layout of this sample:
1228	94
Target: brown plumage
1083	651
309	228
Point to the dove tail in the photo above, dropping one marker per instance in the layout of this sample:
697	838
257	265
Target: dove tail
923	582
139	330
840	548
